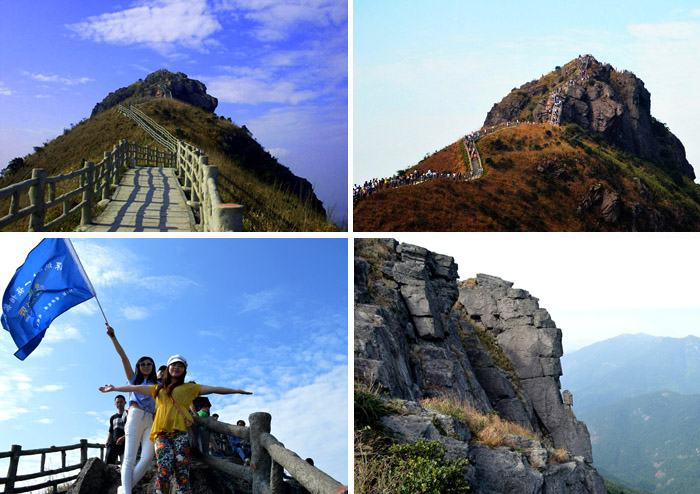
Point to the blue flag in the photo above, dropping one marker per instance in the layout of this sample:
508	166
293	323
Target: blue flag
50	282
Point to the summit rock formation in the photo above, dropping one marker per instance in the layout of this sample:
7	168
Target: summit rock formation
420	332
161	83
599	99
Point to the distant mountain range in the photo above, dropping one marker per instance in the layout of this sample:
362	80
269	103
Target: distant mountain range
640	397
631	365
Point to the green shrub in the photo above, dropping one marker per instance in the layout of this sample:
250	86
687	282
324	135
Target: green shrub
419	467
368	409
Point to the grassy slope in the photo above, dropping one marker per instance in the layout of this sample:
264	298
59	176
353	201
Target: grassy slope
513	195
267	207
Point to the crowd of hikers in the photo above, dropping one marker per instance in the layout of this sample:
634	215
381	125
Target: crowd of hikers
371	186
360	192
556	99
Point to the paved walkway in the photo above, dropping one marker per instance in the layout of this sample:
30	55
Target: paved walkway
148	199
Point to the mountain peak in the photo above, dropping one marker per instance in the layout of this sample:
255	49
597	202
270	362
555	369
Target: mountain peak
161	84
601	99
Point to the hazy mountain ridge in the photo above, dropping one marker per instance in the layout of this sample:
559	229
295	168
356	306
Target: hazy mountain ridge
640	397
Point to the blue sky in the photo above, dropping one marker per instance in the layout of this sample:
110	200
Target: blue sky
595	286
268	316
279	67
426	73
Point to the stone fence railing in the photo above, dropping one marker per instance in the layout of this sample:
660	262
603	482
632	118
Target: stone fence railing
93	180
53	483
196	175
269	459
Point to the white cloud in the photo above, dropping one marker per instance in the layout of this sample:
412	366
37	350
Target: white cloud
68	81
113	266
49	388
262	300
256	88
58	332
45	421
276	18
135	313
161	25
4	91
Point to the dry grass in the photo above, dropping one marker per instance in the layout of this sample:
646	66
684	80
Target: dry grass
248	175
514	196
487	428
558	456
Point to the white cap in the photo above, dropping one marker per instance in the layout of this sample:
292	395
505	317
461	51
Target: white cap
177	358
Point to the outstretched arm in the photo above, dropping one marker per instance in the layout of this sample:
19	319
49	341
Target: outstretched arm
222	391
125	360
136	388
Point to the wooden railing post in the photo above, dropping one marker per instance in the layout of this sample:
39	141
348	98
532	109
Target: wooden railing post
12	469
260	462
148	155
86	182
36	196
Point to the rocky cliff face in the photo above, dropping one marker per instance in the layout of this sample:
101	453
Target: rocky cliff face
599	99
165	83
419	333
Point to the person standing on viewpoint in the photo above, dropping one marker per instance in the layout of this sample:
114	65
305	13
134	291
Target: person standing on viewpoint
115	437
142	409
173	398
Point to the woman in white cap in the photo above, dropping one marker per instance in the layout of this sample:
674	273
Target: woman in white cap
141	412
173	398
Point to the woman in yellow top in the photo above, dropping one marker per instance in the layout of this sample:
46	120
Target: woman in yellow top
169	432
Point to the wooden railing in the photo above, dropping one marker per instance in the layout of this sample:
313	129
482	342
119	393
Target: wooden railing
17	452
198	178
269	459
93	181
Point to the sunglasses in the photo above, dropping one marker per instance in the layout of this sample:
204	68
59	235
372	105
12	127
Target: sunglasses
145	363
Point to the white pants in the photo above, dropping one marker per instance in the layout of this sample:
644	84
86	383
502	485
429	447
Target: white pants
138	428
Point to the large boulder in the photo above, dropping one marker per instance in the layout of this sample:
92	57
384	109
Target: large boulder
161	83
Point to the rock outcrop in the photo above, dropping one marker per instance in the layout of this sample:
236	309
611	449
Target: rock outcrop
97	477
611	103
532	342
419	333
161	83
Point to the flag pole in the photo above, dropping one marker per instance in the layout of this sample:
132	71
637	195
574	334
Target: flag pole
103	312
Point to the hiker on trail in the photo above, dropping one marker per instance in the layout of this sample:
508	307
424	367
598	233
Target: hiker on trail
115	437
141	411
173	397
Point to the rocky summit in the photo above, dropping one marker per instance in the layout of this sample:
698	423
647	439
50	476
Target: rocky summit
420	332
161	83
599	99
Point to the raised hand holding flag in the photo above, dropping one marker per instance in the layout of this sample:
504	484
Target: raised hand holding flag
51	281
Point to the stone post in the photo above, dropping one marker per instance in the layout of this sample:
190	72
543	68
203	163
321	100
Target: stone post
260	463
88	192
107	174
83	451
36	196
